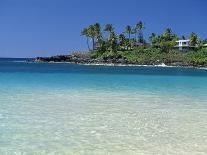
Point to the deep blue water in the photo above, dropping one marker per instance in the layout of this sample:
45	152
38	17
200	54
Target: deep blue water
16	65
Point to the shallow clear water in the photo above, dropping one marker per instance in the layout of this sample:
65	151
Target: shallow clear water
74	109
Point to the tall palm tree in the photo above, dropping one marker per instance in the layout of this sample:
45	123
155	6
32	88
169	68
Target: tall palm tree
183	37
168	34
98	34
92	34
128	30
194	39
153	39
134	31
109	28
113	44
167	40
122	41
84	32
139	28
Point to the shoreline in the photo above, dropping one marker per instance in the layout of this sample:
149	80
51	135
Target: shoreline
123	65
89	58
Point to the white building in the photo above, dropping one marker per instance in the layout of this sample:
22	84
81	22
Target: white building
183	44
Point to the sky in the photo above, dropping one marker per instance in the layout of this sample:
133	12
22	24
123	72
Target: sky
31	28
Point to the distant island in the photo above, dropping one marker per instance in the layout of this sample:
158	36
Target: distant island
105	47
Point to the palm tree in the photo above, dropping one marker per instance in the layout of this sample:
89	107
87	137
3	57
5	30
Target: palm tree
194	39
128	30
205	41
139	28
84	32
92	34
134	31
98	35
113	43
167	40
153	39
109	28
183	38
168	31
97	28
168	34
122	41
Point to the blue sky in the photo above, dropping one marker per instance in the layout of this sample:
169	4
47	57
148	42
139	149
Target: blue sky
30	28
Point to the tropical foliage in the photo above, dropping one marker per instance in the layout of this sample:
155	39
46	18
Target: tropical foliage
131	46
131	37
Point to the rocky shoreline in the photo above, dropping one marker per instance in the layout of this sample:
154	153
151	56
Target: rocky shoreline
86	59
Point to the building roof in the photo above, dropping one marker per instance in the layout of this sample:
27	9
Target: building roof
187	40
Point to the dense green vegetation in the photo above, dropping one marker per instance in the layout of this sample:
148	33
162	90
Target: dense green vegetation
131	46
155	56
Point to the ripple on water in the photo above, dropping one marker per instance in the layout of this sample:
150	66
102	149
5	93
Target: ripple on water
98	122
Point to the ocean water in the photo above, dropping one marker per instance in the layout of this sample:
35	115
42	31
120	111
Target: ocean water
63	109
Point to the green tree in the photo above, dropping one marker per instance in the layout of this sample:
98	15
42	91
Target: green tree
167	40
122	41
85	32
153	39
98	35
109	28
109	43
128	30
92	34
205	41
97	28
134	31
168	35
183	38
139	29
194	39
113	43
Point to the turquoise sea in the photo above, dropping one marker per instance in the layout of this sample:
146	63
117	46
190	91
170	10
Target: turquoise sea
63	109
